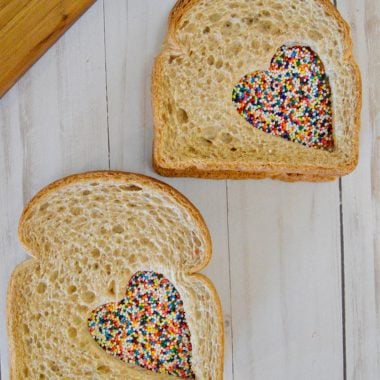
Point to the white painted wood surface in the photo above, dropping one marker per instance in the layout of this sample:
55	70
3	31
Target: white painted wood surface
361	204
296	265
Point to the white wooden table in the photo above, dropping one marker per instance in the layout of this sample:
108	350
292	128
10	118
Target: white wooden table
296	265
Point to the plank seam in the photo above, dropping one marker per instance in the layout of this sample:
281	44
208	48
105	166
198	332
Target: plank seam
230	281
106	79
343	280
148	78
342	268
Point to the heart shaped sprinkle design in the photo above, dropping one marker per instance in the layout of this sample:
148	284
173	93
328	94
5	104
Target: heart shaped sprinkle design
291	100
147	328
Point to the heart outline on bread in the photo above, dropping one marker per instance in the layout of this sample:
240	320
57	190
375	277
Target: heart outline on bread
88	234
147	327
291	100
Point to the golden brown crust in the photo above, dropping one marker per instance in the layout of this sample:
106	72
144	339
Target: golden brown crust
241	174
232	170
9	312
113	175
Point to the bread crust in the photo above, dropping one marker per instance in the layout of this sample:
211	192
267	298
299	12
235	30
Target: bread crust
231	170
13	346
120	176
243	175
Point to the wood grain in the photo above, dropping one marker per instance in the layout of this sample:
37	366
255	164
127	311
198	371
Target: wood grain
53	122
361	204
28	28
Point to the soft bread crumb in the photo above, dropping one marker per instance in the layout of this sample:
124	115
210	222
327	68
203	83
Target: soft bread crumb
89	234
211	45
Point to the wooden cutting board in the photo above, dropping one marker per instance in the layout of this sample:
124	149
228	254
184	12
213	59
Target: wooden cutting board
28	28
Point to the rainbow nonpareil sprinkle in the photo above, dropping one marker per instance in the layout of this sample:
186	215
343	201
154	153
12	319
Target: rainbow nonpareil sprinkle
291	100
147	328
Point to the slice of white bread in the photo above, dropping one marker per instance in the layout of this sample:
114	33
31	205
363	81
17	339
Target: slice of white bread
88	235
211	45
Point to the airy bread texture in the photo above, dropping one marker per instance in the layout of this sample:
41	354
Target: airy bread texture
211	45
88	235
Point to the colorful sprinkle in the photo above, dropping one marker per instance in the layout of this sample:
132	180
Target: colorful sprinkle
147	328
291	100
